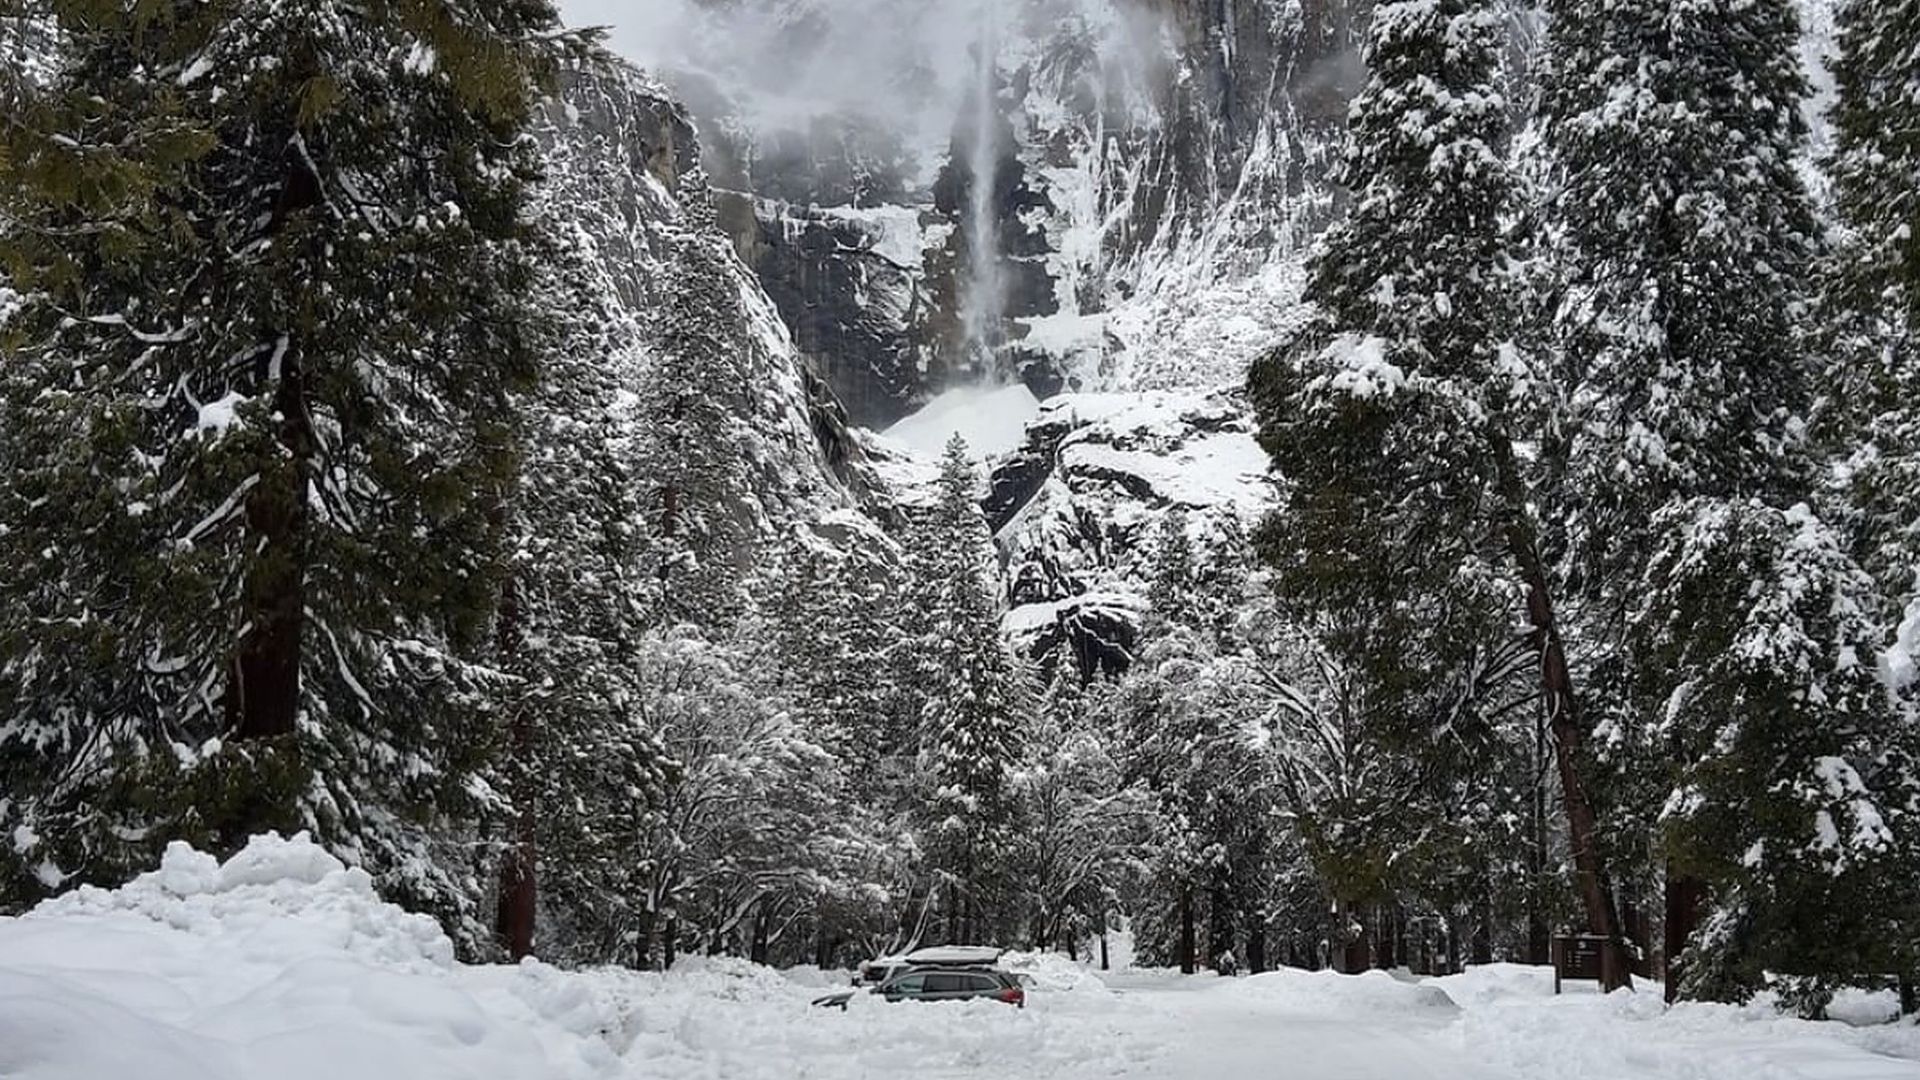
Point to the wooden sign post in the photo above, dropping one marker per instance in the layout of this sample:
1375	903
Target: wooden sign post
1588	956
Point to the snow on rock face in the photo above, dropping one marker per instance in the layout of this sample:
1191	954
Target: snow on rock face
853	288
616	146
1152	163
1074	508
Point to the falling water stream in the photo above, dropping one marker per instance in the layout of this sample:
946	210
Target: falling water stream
983	305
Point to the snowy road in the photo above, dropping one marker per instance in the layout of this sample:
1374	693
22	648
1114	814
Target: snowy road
1215	1032
282	963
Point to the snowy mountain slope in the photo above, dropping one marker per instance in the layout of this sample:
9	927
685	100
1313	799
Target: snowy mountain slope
1156	173
617	147
1147	180
1150	151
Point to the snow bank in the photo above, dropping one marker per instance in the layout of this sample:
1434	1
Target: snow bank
279	962
993	421
1501	982
1053	971
1513	1020
282	963
1372	994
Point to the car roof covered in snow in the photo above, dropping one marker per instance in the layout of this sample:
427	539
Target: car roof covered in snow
960	955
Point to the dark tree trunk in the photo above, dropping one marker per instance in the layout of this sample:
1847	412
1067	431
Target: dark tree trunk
1384	955
1402	948
1686	897
262	698
263	686
1186	930
646	926
823	948
1539	945
670	942
1104	964
1256	944
1563	720
519	865
762	928
1909	1000
1482	943
1219	919
1351	957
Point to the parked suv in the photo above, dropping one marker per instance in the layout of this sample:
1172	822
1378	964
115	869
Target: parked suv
954	984
883	968
943	973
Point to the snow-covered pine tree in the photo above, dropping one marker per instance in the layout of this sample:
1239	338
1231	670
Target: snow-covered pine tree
1082	824
972	696
1876	294
831	628
825	620
577	763
1407	529
1681	267
751	821
1179	715
1682	270
1378	415
693	461
255	420
1871	418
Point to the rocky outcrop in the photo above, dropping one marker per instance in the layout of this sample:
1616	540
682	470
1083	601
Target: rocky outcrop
852	287
1074	510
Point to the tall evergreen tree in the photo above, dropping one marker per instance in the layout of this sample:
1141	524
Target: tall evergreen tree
1875	291
1082	825
254	413
1408	517
577	762
694	461
972	694
1872	307
1682	274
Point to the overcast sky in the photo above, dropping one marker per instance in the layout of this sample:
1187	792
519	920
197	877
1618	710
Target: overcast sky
623	17
907	58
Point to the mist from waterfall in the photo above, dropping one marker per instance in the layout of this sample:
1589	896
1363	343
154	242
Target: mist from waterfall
983	303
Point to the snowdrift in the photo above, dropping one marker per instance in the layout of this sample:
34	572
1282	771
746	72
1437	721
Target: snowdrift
281	962
1374	994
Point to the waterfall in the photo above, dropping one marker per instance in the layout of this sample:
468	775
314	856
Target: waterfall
984	303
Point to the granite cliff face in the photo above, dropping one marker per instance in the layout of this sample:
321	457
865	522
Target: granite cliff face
1143	177
1137	149
617	144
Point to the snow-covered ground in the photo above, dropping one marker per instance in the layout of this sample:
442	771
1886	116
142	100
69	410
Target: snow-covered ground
283	963
992	419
